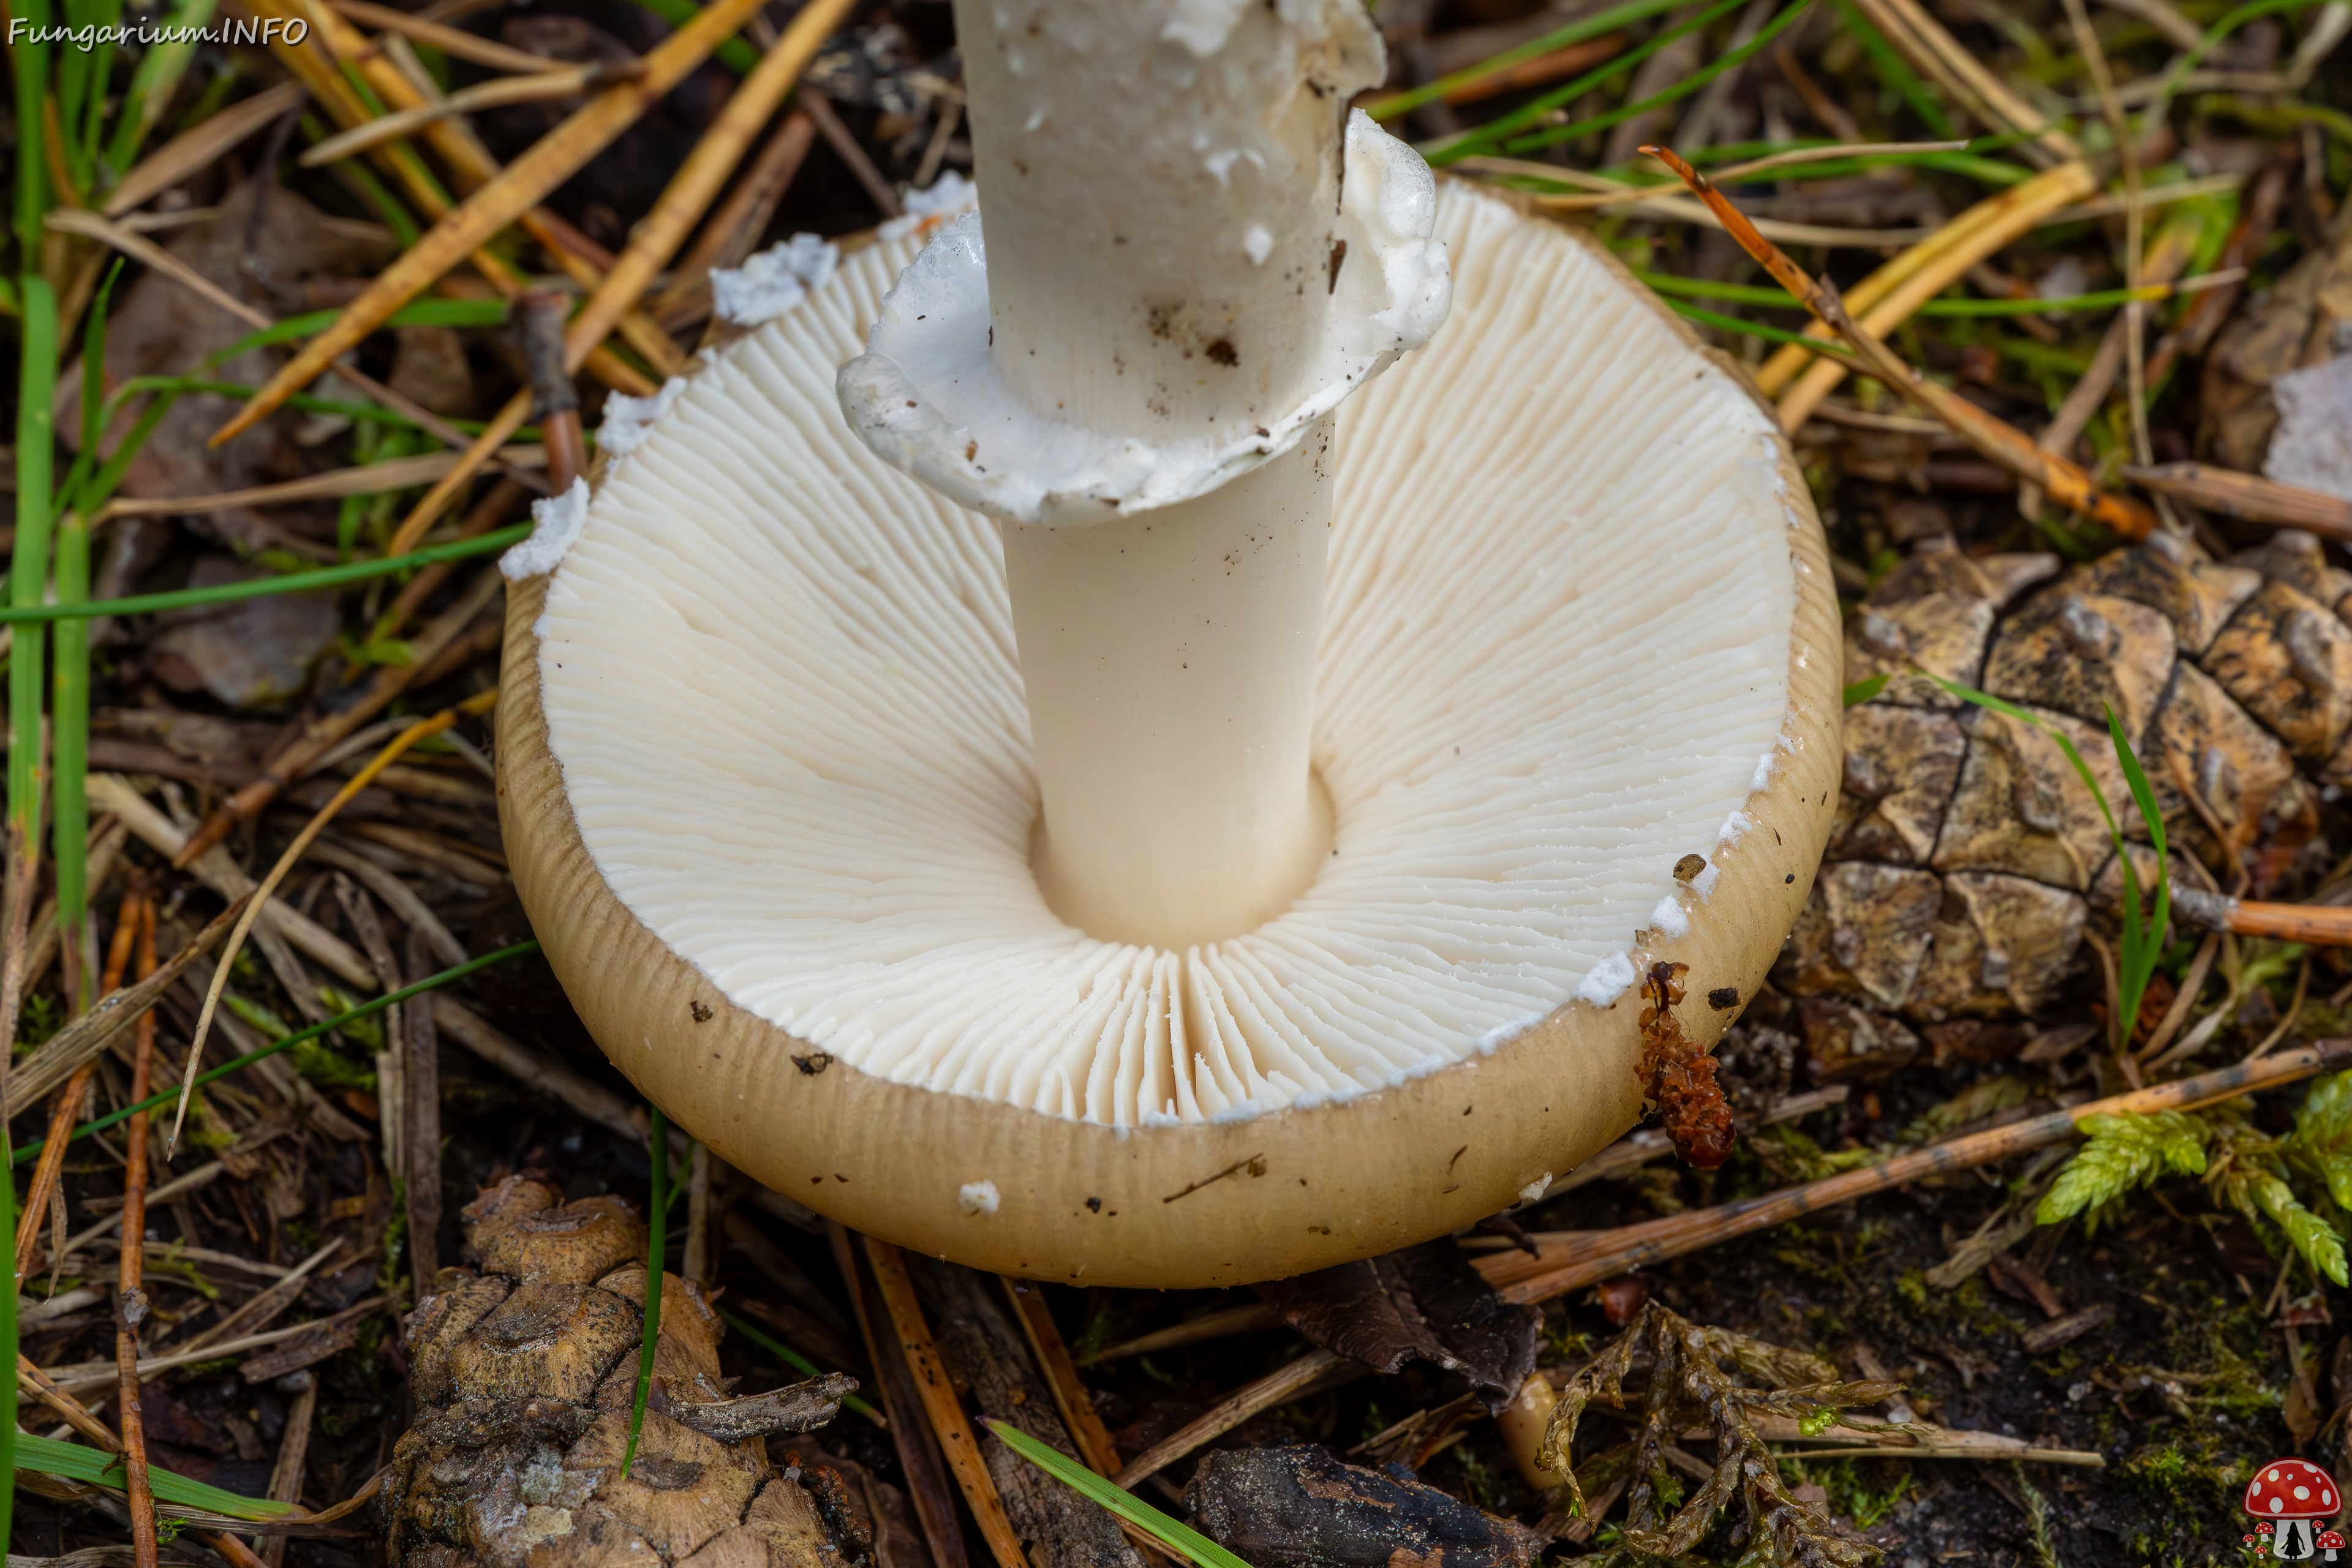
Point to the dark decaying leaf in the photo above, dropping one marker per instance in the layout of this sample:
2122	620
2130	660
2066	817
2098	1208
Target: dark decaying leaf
1423	1303
1300	1506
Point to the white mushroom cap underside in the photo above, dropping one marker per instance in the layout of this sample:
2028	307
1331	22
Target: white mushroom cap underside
781	680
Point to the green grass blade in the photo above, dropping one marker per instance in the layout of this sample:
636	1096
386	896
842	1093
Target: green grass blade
1575	32
32	61
1986	700
1895	71
69	743
161	66
1172	1533
1729	60
794	1359
261	587
1779	299
657	1233
28	569
1489	136
77	1463
2143	963
27	1151
734	53
1862	691
415	313
1770	334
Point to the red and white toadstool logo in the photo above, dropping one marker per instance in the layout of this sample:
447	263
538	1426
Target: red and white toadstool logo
2290	1496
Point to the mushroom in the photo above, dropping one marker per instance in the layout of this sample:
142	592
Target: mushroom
2331	1542
2292	1494
1127	773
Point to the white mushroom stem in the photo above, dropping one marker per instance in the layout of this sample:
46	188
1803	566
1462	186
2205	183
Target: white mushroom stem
1169	660
1193	255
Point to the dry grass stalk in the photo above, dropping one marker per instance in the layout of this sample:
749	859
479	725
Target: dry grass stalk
68	1106
1276	1387
471	707
657	238
140	249
468	162
696	183
24	870
917	1448
293	1452
1934	51
536	88
2066	483
958	1443
201	147
32	1380
1070	1395
1569	1265
373	478
130	1301
524	184
114	793
1653	202
1750	169
454	41
2167	255
1966	240
470	165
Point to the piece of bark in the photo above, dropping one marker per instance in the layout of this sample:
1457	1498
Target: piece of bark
796	1408
1422	1302
1300	1506
985	1349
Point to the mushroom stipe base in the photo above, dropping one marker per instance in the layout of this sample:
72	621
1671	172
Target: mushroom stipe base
1208	1201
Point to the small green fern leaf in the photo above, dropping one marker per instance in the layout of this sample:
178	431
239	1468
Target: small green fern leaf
2124	1153
2311	1236
2323	1134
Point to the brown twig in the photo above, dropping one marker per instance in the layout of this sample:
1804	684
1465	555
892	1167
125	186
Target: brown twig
130	1301
958	1443
2323	925
836	136
1570	1265
917	1447
541	316
2249	496
731	232
2066	484
32	1380
67	1105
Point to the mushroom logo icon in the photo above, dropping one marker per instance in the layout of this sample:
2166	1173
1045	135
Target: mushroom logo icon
2290	1496
2331	1542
